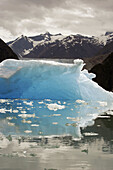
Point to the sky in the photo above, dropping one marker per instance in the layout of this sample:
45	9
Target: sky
32	17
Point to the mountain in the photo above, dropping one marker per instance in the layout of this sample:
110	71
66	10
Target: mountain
92	61
102	53
21	44
56	46
108	48
6	52
104	73
106	38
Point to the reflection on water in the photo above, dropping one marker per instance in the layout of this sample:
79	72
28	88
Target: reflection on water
49	135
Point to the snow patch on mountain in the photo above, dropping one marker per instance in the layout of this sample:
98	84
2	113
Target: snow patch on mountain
106	38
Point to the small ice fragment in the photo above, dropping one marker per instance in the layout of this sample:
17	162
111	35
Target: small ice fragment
59	102
23	111
49	100
11	124
3	110
26	121
98	125
55	106
64	102
15	111
34	125
28	103
80	101
3	100
55	123
73	118
40	102
28	131
68	124
26	115
56	114
9	118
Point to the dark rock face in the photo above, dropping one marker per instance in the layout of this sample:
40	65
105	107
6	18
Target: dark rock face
6	52
104	73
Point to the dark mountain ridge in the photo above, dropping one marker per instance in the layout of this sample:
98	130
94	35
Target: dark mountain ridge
6	52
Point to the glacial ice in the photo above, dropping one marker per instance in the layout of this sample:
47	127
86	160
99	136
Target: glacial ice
41	79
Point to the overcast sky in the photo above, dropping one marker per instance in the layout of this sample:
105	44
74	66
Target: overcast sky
32	17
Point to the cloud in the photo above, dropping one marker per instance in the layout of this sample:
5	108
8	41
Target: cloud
31	17
100	4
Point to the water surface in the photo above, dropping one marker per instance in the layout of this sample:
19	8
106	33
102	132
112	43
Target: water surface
56	135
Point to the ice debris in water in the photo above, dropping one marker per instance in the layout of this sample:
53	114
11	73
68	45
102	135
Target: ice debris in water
3	100
41	79
28	103
24	116
26	121
15	111
28	131
80	101
11	124
55	106
3	110
35	125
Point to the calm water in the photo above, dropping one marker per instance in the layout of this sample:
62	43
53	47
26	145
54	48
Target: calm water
56	135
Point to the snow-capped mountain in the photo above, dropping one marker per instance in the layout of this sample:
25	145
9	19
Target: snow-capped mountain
21	44
106	38
59	46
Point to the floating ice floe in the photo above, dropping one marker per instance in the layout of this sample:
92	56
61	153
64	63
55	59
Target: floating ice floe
24	116
34	125
28	131
55	106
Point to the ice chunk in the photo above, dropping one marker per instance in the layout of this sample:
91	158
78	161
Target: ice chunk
55	106
41	79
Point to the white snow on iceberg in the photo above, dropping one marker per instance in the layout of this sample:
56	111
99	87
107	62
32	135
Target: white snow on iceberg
41	79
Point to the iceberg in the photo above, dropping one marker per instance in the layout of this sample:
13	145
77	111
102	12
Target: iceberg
41	79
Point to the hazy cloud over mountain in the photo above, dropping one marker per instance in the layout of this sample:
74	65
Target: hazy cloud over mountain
31	17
